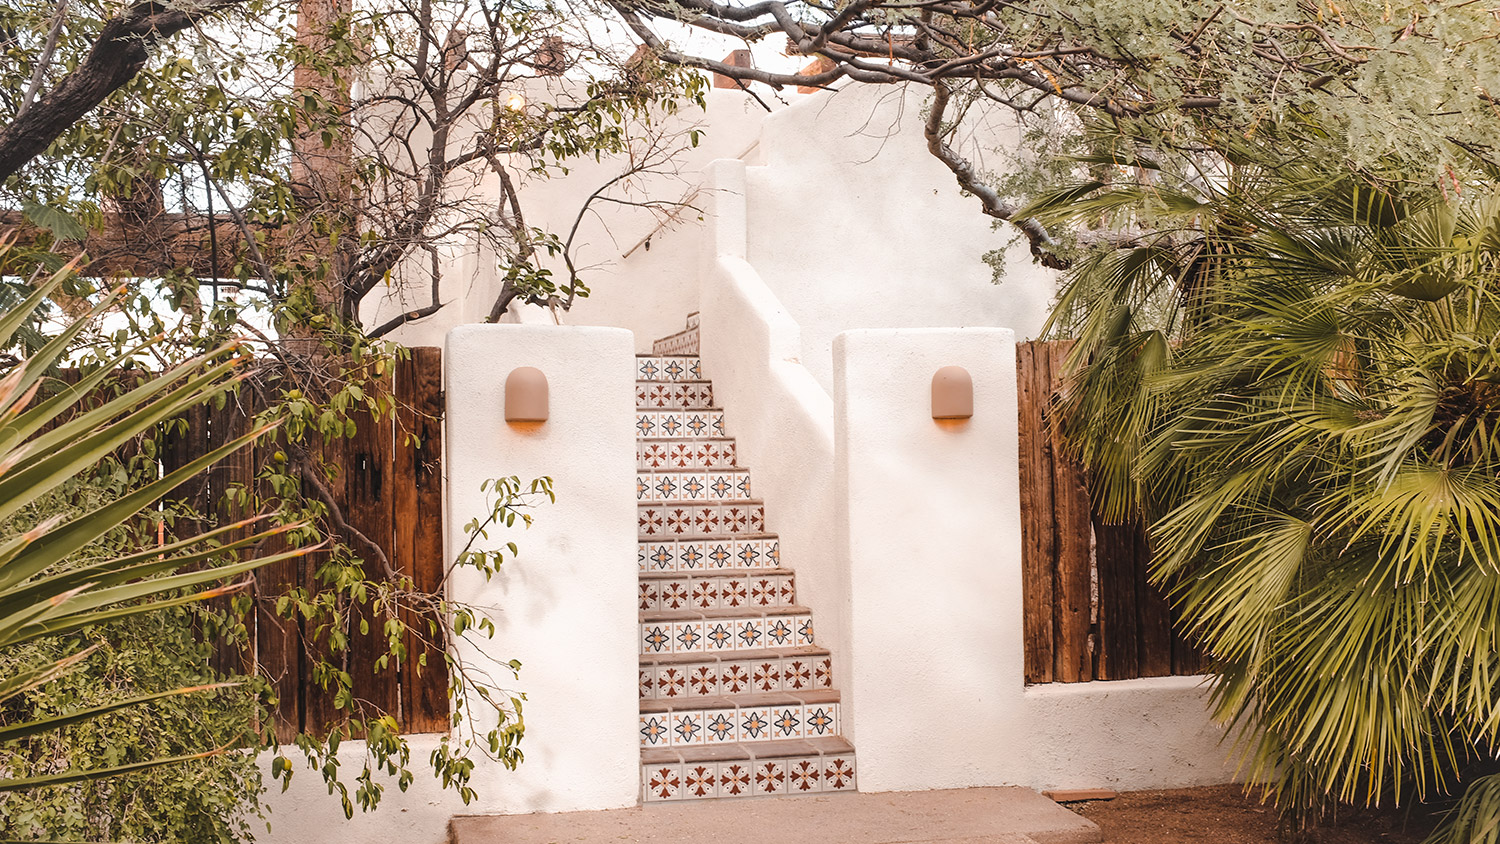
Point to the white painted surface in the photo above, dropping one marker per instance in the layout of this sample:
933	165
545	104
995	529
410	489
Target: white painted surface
853	224
566	606
929	525
781	419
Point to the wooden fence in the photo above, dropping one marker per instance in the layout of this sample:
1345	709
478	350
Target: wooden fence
389	488
1089	613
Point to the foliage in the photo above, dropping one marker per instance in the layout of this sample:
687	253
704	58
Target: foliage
209	799
66	577
1290	370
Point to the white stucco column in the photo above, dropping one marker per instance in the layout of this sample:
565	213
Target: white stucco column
930	524
565	606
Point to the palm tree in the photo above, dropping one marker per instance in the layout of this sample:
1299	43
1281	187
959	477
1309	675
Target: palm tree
45	443
1291	370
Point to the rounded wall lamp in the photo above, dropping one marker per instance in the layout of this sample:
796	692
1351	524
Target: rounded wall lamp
952	393
526	395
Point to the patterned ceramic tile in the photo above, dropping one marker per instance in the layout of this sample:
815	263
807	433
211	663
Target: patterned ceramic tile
804	629
823	673
820	719
769	776
650	596
654	730
700	780
671	682
781	631
674	595
702	680
687	637
796	674
805	776
838	773
687	728
786	722
755	723
663	782
766	675
703	593
720	726
648	683
734	779
718	636
656	638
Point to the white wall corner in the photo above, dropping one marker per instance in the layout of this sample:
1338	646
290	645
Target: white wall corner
724	186
932	537
565	606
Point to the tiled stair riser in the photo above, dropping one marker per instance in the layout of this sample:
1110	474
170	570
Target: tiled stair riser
680	395
723	635
700	520
721	678
828	773
744	552
712	592
738	725
688	485
736	698
685	424
681	343
667	454
663	368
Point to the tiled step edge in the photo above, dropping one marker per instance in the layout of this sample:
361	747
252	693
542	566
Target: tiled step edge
692	485
668	368
687	682
670	591
674	395
714	632
684	342
709	555
699	519
726	722
662	453
818	766
679	424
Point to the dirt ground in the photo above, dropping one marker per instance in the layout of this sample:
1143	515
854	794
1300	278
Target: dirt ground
1224	815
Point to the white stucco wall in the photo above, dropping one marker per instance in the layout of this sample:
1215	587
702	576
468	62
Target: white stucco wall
930	526
853	224
565	607
781	419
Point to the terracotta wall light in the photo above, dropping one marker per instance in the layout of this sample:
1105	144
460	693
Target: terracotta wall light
526	395
952	393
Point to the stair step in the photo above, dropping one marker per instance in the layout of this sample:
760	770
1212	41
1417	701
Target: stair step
674	395
679	424
733	676
668	368
812	652
710	632
716	590
693	485
654	454
710	721
700	519
806	766
705	555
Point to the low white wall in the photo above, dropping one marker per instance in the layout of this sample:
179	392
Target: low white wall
781	418
565	607
929	524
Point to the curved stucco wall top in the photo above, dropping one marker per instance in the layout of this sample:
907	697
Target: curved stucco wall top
853	224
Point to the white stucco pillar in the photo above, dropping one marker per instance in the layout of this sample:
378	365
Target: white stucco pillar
565	606
930	524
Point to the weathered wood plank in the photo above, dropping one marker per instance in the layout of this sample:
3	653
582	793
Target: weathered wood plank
1038	533
1119	635
1156	618
1074	579
419	537
368	507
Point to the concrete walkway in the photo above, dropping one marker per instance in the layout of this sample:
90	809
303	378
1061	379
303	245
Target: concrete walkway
963	816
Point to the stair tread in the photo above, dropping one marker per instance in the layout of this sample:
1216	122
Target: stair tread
736	572
808	651
746	700
652	616
690	502
712	537
685	357
729	751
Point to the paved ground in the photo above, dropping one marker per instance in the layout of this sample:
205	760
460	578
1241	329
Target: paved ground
963	816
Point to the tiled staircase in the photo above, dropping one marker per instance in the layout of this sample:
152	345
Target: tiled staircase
736	697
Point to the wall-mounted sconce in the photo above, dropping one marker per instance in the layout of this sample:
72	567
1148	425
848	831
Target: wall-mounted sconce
526	395
952	393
